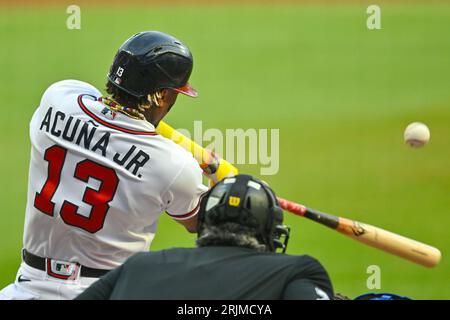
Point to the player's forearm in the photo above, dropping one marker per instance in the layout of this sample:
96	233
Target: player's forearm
190	224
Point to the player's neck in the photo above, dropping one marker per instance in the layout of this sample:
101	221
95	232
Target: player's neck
134	113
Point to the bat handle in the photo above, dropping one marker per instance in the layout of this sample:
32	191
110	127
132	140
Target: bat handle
217	169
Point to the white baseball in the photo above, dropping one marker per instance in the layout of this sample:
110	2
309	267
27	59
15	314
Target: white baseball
417	134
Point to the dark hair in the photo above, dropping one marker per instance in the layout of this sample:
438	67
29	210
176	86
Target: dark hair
123	97
229	234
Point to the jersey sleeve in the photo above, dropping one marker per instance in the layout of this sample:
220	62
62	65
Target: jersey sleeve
183	196
310	282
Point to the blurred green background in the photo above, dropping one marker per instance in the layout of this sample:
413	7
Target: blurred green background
340	94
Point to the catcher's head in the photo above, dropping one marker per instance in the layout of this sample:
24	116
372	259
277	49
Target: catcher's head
149	70
241	206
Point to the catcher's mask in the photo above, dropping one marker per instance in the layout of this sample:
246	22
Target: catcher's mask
150	61
245	201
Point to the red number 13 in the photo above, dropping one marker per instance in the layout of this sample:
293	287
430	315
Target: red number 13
98	199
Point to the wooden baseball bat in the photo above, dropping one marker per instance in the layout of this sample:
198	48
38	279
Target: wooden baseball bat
398	245
217	169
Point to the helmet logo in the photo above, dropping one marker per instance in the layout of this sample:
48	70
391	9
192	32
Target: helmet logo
234	201
120	71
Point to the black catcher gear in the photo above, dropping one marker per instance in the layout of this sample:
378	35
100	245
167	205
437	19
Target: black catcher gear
246	201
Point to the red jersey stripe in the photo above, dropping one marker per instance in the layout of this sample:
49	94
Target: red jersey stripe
107	124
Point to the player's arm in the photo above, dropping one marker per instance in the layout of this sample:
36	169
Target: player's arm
190	224
184	194
311	282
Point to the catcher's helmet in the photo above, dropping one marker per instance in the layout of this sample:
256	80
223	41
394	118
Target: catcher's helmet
150	61
246	201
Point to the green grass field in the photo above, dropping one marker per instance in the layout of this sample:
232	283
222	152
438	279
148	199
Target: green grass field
340	94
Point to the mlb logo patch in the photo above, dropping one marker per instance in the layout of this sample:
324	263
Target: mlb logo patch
62	269
108	113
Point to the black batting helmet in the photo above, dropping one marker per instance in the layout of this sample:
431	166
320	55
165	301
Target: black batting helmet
150	61
246	201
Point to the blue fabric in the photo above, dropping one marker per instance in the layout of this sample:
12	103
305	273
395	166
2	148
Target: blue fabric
381	296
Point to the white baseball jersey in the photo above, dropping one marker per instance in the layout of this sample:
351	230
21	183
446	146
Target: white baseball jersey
99	180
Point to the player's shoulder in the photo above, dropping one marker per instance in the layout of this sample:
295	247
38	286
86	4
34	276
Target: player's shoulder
171	255
307	265
303	259
69	87
304	262
73	85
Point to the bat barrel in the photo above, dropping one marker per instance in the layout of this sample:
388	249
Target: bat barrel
393	243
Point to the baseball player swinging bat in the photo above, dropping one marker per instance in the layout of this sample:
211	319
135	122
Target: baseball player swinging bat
217	169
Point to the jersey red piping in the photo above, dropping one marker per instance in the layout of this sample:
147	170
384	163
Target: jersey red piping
189	214
107	124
